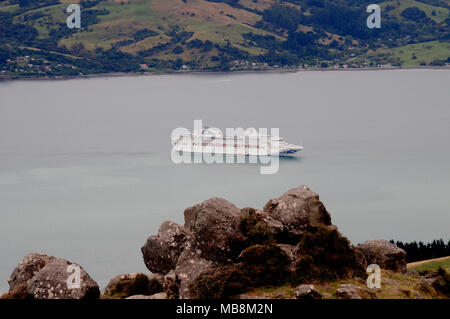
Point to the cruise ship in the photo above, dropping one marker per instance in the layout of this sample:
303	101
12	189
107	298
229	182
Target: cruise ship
248	143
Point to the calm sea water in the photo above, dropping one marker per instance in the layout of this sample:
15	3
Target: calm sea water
85	169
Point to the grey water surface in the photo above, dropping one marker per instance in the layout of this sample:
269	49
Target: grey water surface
86	174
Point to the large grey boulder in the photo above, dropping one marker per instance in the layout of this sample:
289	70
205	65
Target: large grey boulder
27	268
51	282
189	266
161	252
384	254
352	291
215	227
298	209
48	277
263	219
307	292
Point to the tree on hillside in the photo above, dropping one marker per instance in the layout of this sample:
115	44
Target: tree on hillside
414	14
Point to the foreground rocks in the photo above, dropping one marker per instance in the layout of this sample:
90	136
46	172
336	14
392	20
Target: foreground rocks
29	267
40	276
161	252
307	292
212	234
215	227
298	209
352	291
222	251
384	254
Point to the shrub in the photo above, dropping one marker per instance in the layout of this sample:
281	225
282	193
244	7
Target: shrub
326	255
20	292
261	265
139	285
444	282
266	264
221	282
178	50
255	232
414	14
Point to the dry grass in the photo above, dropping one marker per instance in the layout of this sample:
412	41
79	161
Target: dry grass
393	286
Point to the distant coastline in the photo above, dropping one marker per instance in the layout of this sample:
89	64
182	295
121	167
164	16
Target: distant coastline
4	78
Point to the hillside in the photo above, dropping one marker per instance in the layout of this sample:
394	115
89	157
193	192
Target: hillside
217	35
431	264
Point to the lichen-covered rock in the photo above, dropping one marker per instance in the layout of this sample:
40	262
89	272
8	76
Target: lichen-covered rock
262	218
171	285
111	287
351	291
161	252
292	252
30	265
384	254
307	292
348	292
298	209
56	280
189	266
215	226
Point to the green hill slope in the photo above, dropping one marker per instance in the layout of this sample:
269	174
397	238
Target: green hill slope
431	264
163	35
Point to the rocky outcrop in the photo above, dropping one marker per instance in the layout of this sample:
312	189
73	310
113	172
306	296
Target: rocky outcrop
30	265
292	252
161	252
215	226
352	291
307	292
47	277
183	253
263	219
384	254
226	252
51	283
298	209
190	265
215	233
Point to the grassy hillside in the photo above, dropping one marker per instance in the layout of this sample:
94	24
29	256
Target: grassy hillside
162	35
431	264
393	286
439	15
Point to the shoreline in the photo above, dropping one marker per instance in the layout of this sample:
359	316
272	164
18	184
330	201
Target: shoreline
286	70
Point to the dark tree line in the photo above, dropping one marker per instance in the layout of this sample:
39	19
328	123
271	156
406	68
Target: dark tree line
348	18
417	251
